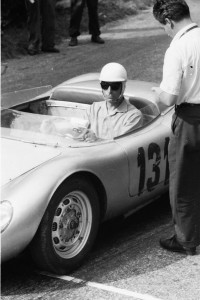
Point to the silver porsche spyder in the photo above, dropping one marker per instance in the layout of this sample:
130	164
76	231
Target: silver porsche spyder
57	187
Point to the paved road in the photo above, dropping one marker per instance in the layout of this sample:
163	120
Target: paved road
127	262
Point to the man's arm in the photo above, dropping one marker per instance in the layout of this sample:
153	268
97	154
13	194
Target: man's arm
167	93
134	121
89	136
164	99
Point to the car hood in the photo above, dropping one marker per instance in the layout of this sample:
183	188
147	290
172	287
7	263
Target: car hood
19	157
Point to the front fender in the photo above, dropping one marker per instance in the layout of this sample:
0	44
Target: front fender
30	195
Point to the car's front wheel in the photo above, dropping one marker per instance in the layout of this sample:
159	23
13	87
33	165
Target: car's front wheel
68	228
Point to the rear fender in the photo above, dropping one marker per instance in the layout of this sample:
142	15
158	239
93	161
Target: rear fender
81	78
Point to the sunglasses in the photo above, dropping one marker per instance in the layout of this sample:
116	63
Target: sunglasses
113	85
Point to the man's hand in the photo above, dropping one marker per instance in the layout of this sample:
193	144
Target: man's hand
158	92
164	99
90	136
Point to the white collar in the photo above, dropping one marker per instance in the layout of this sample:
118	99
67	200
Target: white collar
180	32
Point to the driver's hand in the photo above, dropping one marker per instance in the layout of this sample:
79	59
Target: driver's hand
90	136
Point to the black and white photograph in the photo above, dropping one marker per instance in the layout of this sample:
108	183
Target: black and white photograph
100	150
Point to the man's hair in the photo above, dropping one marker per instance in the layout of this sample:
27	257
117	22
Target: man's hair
175	10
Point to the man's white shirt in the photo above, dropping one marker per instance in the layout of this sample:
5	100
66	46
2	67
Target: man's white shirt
181	69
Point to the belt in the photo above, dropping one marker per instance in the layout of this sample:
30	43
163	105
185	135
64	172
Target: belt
188	109
186	104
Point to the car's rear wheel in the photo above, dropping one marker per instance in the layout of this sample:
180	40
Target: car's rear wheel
68	228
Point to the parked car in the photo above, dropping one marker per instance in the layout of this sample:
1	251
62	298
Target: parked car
56	187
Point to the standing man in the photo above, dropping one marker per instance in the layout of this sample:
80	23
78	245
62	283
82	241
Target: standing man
77	7
41	26
181	86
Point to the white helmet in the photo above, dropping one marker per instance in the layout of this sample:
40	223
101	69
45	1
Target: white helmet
113	72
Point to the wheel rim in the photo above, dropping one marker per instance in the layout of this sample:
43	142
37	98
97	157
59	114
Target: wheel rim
71	224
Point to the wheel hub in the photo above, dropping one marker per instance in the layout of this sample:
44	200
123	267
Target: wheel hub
73	224
69	222
70	226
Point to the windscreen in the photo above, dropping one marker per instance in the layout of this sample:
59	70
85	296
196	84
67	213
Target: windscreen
36	128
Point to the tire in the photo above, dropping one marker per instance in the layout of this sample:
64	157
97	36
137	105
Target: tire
68	228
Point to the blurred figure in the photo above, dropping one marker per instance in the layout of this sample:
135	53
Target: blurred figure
41	26
77	7
4	67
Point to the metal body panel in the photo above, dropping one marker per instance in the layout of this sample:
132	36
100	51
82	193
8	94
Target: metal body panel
132	169
29	156
31	193
87	82
147	154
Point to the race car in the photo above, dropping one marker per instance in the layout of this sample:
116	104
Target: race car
57	187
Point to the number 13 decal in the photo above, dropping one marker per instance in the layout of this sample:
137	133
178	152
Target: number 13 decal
153	151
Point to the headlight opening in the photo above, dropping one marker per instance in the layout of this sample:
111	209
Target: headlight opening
6	213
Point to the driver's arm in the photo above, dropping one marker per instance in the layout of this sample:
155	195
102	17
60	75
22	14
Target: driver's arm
133	120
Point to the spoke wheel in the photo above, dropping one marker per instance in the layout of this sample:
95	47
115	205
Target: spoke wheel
68	228
72	224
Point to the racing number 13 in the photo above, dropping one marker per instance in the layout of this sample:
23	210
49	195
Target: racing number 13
153	149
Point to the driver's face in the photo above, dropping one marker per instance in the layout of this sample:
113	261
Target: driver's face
111	91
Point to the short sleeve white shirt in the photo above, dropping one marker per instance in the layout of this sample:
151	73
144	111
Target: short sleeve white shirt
181	69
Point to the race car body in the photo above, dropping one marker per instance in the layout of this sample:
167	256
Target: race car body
57	187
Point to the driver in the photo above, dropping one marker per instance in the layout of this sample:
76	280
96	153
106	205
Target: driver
115	115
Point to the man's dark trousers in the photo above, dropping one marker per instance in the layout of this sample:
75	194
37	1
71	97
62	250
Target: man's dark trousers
184	163
77	7
41	23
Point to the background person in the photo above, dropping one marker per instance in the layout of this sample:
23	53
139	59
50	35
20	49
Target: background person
115	115
77	7
41	26
181	86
